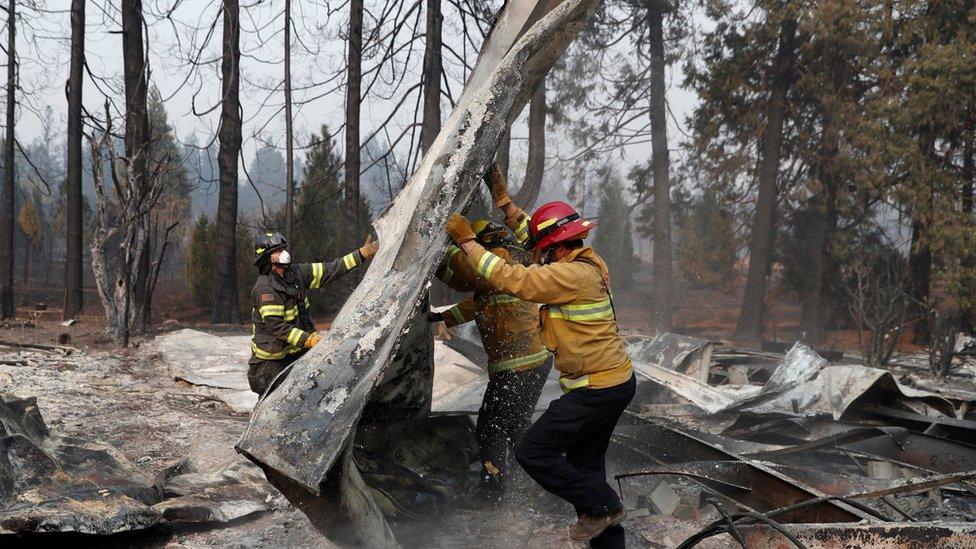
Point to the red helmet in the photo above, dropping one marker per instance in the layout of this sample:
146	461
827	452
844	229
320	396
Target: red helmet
556	222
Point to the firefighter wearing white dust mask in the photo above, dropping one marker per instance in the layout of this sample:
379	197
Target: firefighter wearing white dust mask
282	328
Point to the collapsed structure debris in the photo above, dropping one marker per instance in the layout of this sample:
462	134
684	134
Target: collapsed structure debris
55	483
818	454
862	478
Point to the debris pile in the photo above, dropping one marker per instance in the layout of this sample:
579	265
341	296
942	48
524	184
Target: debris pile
856	455
54	483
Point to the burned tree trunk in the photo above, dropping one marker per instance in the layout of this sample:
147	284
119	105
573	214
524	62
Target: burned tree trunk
353	100
920	255
289	138
920	275
661	267
536	163
432	76
968	172
73	274
28	248
819	230
226	306
7	208
440	294
119	240
751	317
136	147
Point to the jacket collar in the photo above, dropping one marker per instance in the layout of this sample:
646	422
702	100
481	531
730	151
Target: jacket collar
586	255
280	283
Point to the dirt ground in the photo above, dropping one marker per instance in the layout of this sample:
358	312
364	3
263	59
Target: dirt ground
126	398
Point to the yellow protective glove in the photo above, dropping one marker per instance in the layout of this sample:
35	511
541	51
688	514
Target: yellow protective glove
496	184
459	229
369	248
312	340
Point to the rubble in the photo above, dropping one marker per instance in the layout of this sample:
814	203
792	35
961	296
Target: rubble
799	364
818	455
466	340
802	470
664	499
55	483
687	355
907	534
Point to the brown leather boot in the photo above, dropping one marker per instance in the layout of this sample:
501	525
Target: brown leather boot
589	527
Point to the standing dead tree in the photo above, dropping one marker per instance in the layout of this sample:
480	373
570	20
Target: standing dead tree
135	74
750	324
353	102
661	284
7	207
289	132
878	306
226	306
120	239
73	265
433	66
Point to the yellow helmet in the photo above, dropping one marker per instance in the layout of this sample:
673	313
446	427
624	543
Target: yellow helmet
488	232
480	225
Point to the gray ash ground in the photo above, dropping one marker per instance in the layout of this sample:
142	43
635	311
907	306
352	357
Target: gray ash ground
128	399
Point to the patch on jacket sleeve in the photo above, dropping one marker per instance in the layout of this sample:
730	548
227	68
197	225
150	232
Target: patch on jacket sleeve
265	298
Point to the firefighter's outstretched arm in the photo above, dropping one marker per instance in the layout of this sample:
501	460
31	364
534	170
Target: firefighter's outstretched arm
555	284
323	273
450	272
515	218
460	313
457	273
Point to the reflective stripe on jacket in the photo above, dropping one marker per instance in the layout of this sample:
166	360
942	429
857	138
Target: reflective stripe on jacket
280	321
577	321
506	324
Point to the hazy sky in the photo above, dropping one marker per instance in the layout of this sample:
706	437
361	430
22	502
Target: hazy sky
173	40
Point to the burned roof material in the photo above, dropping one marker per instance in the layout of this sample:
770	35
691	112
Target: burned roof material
819	455
50	483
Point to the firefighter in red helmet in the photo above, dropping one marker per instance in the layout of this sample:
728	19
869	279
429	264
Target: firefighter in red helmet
565	449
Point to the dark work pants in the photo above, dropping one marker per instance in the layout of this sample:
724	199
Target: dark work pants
506	411
565	451
260	373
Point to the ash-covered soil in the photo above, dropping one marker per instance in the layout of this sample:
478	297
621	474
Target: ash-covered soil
127	398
